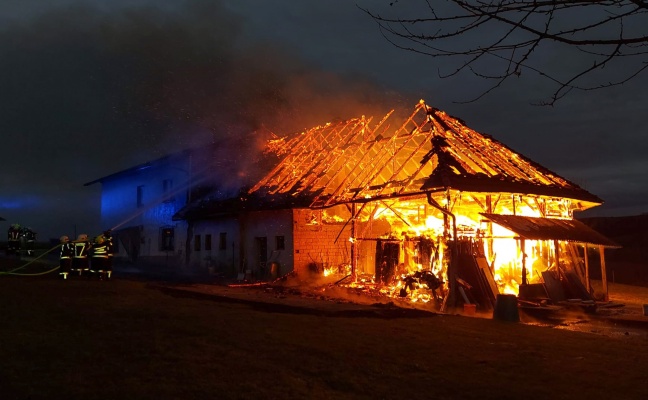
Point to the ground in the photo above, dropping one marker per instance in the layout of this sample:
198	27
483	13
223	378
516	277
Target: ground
136	338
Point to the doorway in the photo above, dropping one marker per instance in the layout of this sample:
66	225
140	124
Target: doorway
261	255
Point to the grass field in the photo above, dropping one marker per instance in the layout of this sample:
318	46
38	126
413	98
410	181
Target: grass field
127	339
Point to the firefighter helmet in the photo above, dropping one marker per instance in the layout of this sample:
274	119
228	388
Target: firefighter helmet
99	239
64	239
82	237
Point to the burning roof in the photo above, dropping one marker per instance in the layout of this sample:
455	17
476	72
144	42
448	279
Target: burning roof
358	160
531	228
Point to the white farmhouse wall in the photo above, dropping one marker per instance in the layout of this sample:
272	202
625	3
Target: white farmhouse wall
223	258
270	225
120	209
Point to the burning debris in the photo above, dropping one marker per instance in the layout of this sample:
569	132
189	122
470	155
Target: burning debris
422	281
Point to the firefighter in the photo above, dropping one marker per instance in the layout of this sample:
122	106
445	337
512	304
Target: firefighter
30	240
81	246
108	266
65	257
14	236
99	256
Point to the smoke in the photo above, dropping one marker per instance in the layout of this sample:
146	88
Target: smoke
90	90
139	81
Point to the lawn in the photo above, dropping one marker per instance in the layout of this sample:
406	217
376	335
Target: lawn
127	339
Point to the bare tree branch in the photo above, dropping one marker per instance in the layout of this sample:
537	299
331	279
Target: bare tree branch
514	36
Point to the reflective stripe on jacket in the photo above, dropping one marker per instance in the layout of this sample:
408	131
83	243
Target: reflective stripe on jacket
67	250
100	250
81	249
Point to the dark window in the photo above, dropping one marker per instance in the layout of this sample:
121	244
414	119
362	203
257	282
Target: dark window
207	242
140	196
197	243
167	239
167	189
280	242
222	242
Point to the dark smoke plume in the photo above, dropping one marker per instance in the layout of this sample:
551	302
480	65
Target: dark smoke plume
145	80
88	91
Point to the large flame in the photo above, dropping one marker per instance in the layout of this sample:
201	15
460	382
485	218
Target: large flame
512	261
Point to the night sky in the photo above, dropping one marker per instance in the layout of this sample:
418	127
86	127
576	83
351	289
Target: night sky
88	88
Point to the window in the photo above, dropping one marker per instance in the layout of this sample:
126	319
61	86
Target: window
197	243
140	196
207	242
167	190
280	243
222	242
167	239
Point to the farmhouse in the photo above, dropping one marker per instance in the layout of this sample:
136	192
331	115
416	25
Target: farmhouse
421	207
138	203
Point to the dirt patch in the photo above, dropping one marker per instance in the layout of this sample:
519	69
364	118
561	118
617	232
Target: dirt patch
621	317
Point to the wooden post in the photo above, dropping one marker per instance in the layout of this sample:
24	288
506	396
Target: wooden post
587	279
489	228
446	227
353	243
557	254
603	273
450	298
524	270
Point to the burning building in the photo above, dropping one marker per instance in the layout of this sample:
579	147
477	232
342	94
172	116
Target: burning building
422	207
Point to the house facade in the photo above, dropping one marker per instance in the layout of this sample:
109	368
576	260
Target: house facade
137	205
255	245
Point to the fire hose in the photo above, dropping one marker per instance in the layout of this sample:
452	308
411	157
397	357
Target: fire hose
13	271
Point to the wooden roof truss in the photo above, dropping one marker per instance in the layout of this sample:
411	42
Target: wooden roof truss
353	161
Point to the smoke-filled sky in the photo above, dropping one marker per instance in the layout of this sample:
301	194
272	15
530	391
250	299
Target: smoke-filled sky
90	87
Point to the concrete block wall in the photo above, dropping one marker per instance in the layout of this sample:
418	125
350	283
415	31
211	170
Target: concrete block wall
314	241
